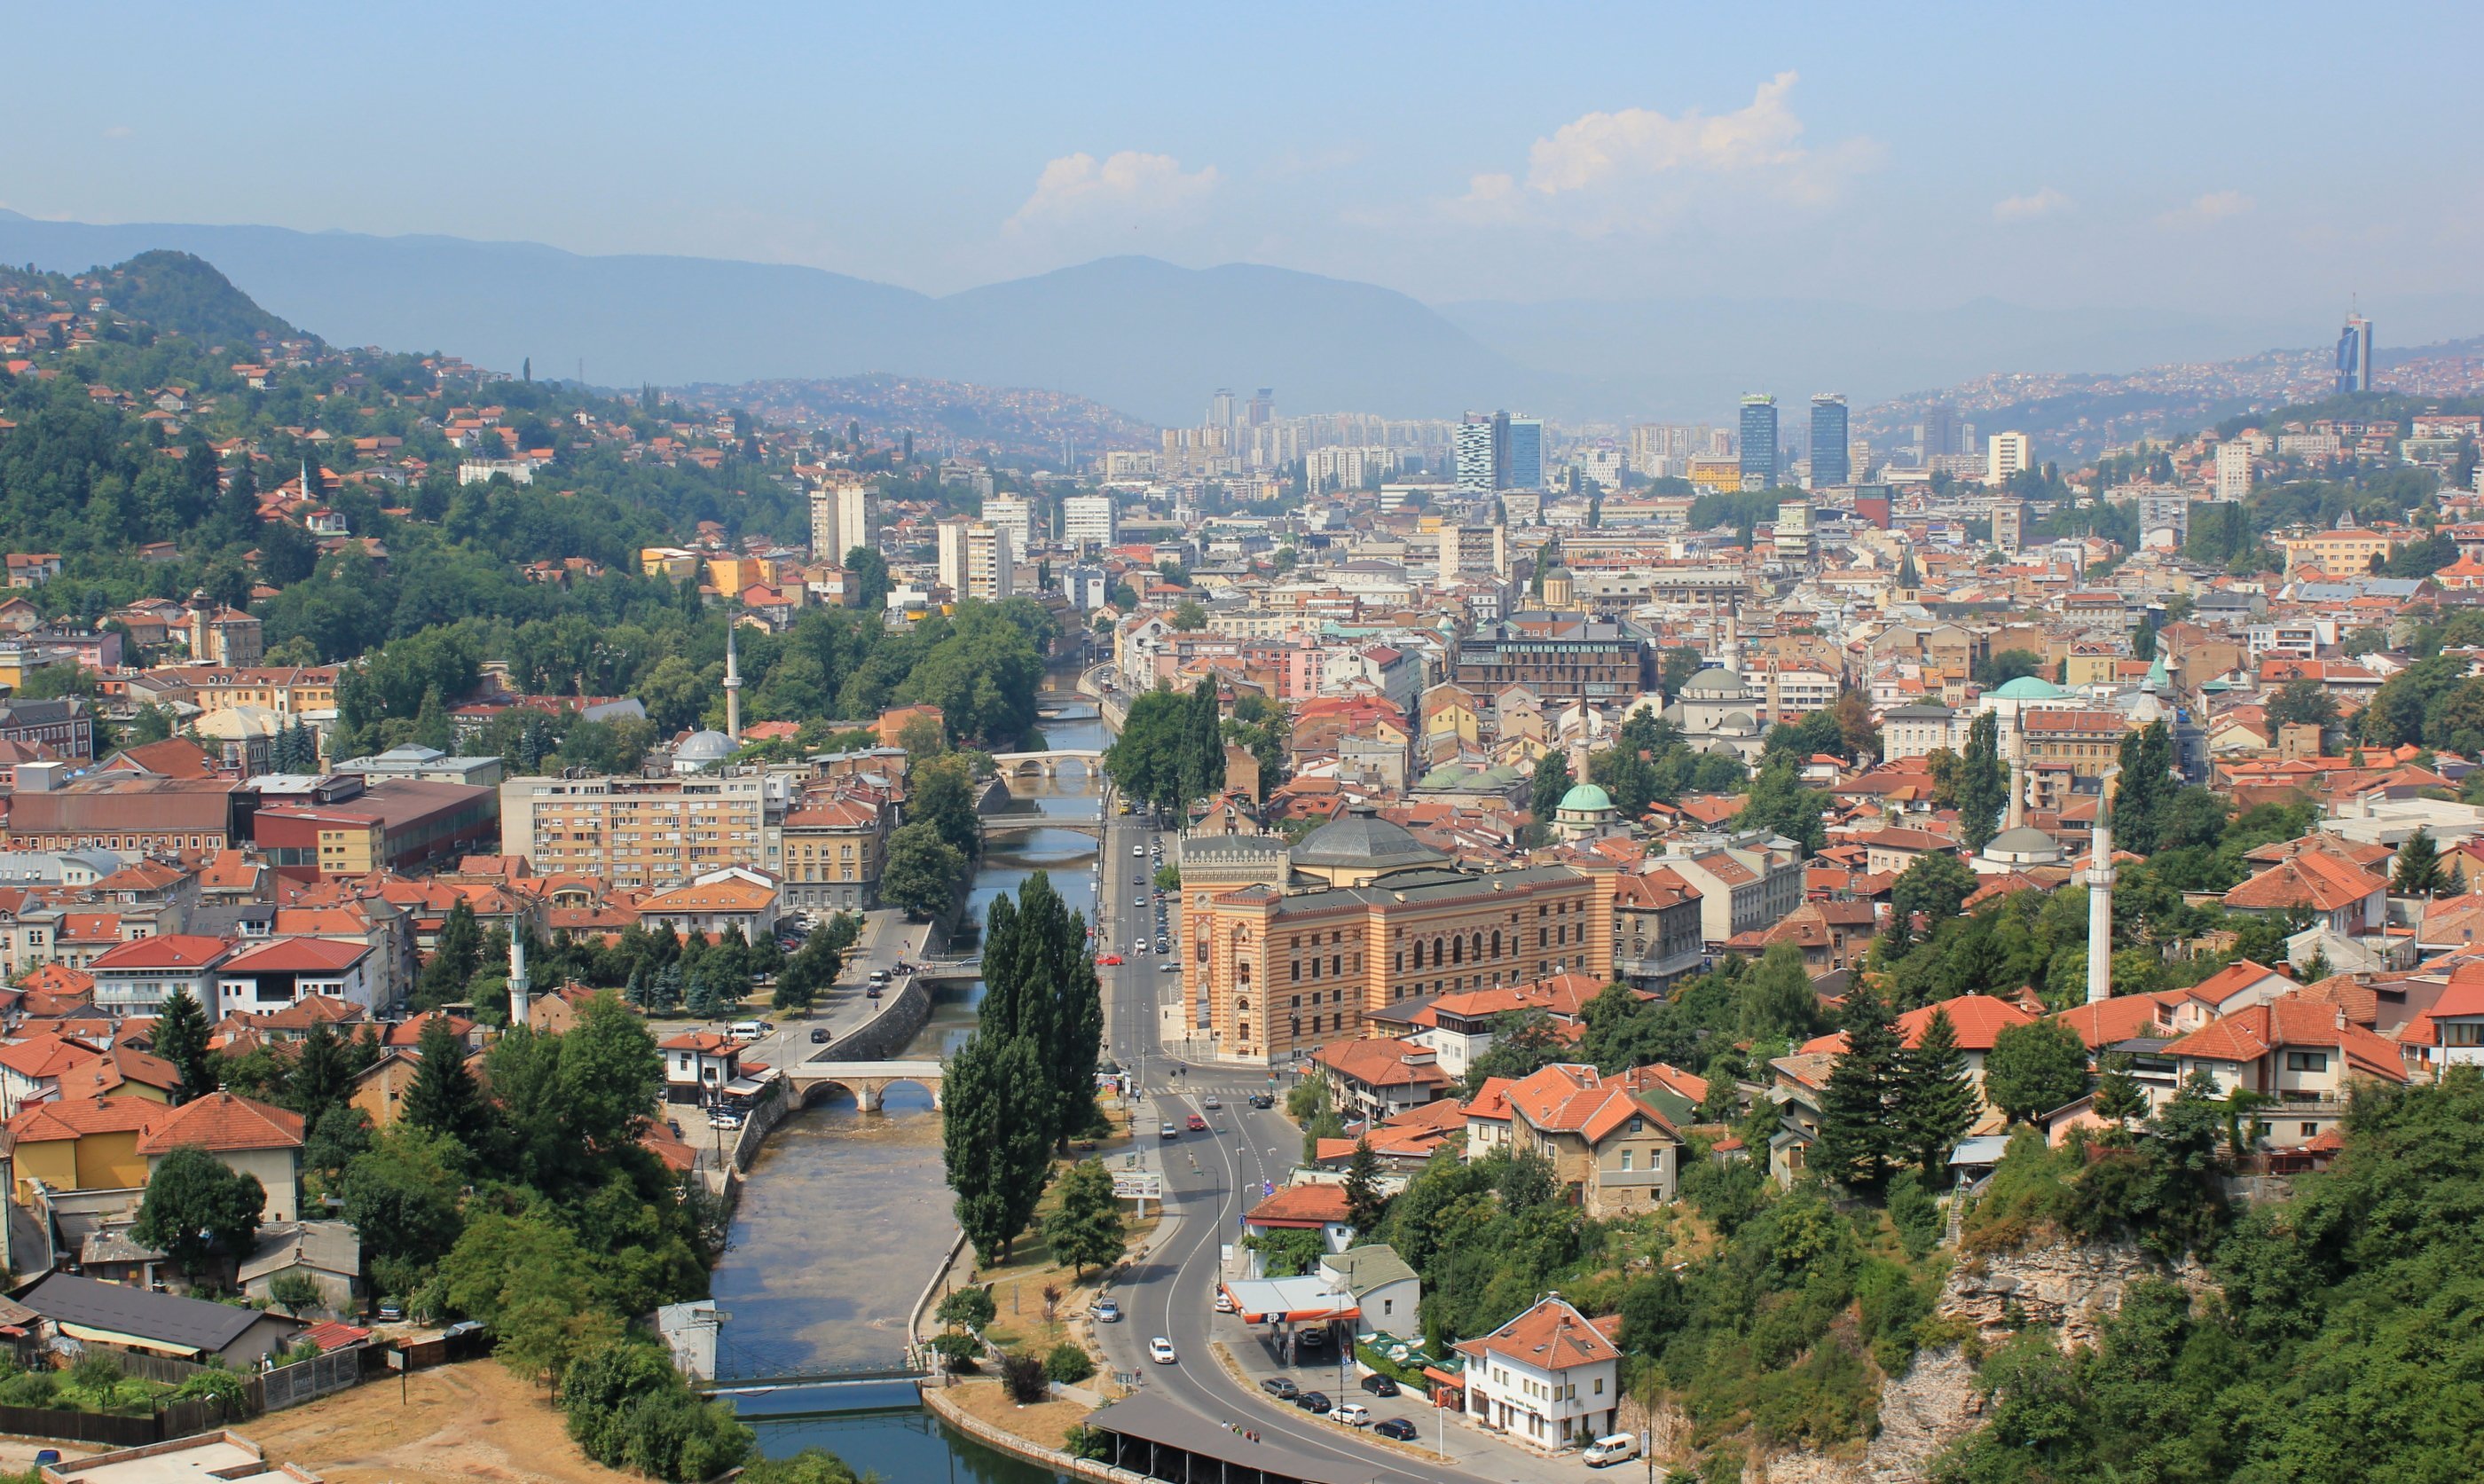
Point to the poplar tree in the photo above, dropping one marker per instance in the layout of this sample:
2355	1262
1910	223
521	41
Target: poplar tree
1983	785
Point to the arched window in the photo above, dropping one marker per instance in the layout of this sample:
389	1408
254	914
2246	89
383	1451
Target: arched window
1478	948
1495	942
1457	950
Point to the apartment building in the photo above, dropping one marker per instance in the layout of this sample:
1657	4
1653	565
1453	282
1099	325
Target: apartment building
639	831
978	559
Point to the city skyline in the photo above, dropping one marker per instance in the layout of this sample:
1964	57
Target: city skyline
1677	155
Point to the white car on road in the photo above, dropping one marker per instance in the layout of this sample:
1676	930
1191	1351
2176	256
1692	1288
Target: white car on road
1160	1351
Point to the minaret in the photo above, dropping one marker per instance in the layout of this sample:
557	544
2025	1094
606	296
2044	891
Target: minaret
2018	814
518	1000
732	686
2098	877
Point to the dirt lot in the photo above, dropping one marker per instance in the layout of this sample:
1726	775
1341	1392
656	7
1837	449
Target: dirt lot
459	1422
1045	1423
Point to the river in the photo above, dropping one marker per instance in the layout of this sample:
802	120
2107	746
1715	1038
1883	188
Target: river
844	1215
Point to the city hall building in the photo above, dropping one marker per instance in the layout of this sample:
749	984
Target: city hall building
1359	916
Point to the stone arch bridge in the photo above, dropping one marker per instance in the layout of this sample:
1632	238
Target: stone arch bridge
1047	765
868	1081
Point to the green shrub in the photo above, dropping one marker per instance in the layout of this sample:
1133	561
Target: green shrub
1022	1376
1068	1364
29	1389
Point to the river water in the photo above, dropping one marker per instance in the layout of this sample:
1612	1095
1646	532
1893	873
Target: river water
844	1216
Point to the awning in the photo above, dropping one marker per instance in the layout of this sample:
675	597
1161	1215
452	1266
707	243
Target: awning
1290	1300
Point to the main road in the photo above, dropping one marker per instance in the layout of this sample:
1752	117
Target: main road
1210	1180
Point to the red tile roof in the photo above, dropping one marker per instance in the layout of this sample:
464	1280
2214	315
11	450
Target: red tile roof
1300	1206
1550	1336
220	1121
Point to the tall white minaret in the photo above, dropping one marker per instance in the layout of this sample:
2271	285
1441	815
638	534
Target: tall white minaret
519	999
732	686
2018	813
2098	877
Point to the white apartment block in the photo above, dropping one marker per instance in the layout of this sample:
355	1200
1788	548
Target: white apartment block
2006	454
1089	518
1012	514
977	561
843	517
639	832
2233	469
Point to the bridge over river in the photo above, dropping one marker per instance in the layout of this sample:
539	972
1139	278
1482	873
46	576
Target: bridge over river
868	1081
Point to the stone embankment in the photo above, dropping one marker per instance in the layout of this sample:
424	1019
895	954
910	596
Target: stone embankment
2070	1291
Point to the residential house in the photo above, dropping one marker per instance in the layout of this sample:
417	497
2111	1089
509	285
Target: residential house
133	1318
328	1252
1376	1078
135	978
699	1065
2302	1055
1612	1152
79	1144
1318	1206
1387	1292
1550	1378
249	1138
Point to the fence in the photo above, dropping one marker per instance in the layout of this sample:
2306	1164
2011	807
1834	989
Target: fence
108	1432
290	1386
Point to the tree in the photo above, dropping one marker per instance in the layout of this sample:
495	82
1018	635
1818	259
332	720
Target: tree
922	871
2119	1095
182	1039
1085	1229
2144	791
994	1142
1188	616
1552	782
2418	873
1776	1000
1202	746
195	1208
871	579
1983	785
457	953
2304	703
2034	1069
444	1098
321	1079
403	1196
1934	887
1365	1204
1778	802
1859	1134
1935	1099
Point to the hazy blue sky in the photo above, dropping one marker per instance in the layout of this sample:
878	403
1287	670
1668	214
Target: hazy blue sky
2224	157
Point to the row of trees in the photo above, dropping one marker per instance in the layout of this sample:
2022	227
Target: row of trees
1024	1083
1171	752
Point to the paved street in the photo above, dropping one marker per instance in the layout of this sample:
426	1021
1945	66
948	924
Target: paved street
1210	1180
886	938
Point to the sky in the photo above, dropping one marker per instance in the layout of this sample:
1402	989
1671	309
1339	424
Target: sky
2207	157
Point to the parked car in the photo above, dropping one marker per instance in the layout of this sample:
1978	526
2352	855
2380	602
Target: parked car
1105	1311
1160	1351
1315	1402
1312	1339
1224	1302
1379	1385
1612	1448
1281	1388
1353	1414
1394	1427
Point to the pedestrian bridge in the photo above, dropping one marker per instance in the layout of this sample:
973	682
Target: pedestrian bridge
868	1081
1047	765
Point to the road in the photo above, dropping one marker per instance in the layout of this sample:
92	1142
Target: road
846	1008
1209	1179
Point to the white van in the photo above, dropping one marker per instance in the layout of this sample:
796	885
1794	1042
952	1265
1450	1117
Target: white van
749	1030
1611	1449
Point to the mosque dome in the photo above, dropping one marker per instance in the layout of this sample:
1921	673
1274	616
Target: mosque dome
2028	688
1715	683
1586	799
703	747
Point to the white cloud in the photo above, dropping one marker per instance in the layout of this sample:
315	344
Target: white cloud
2047	201
2203	211
1126	185
1638	167
119	131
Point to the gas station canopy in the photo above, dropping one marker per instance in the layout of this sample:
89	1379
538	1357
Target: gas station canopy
1290	1300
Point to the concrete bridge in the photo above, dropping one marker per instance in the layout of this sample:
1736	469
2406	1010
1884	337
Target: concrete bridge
1047	765
1007	823
868	1081
950	968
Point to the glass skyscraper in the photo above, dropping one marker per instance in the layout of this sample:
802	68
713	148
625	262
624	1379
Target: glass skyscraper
2355	356
1525	465
1759	440
1829	463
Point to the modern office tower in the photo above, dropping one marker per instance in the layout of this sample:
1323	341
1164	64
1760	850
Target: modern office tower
1220	409
843	515
2008	524
1478	456
1759	440
1939	433
1524	467
2005	455
2355	355
1090	520
1263	408
1829	463
2234	468
1014	514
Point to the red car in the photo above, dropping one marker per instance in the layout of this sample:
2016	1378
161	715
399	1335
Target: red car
1198	1124
1110	958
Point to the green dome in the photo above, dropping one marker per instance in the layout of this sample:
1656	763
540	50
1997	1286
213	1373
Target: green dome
1448	775
1586	799
2027	687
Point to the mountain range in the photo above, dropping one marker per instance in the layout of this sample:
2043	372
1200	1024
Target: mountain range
1148	338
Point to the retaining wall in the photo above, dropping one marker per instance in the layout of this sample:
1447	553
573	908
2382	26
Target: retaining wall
985	1433
889	1032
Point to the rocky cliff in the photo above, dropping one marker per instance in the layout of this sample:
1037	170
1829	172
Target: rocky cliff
2066	1289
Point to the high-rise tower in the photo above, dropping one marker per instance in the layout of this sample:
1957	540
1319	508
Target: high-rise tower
1759	440
2355	355
1830	465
